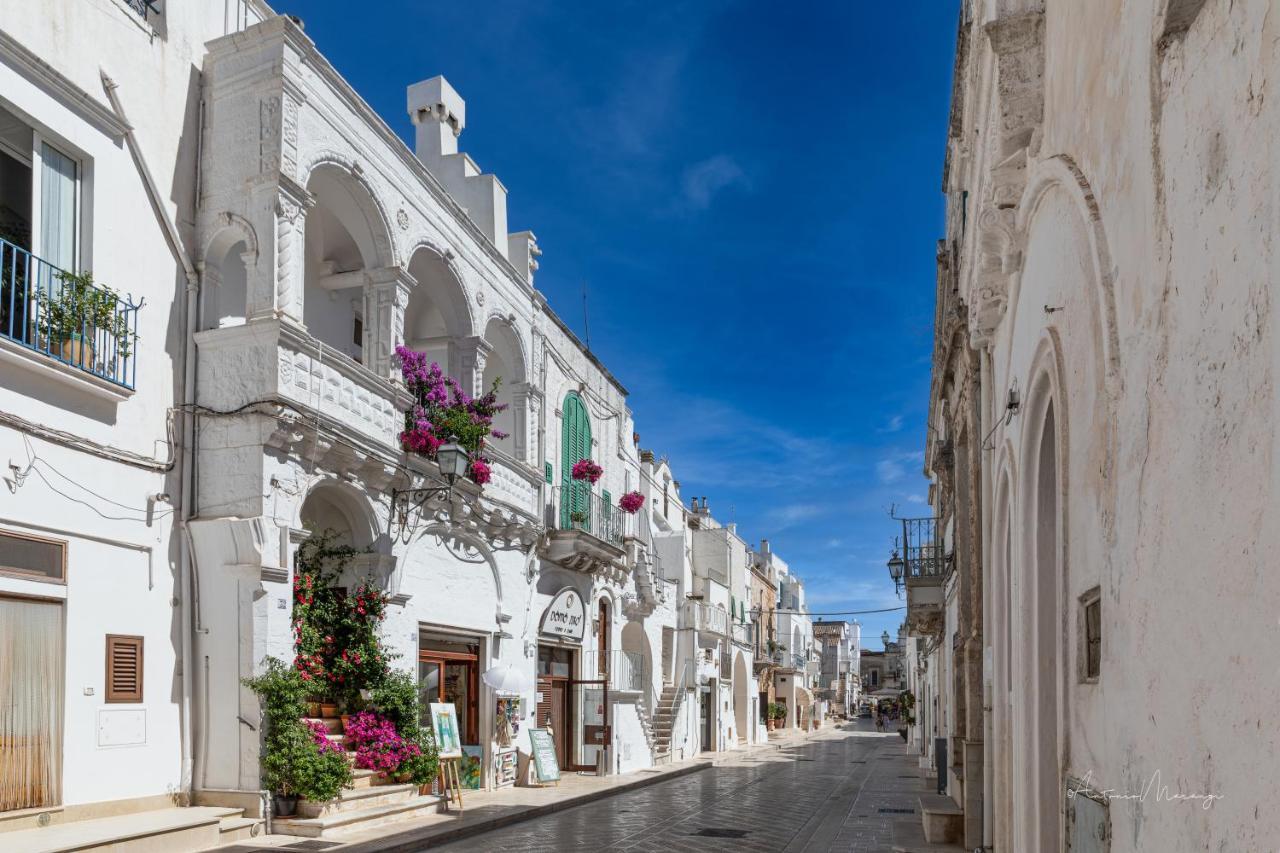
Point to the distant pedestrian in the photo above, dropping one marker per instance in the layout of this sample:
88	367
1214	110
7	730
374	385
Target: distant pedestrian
879	721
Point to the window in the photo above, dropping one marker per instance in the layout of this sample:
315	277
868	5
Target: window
1091	635
39	194
549	472
33	558
124	668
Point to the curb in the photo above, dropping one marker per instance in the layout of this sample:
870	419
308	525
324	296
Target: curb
421	839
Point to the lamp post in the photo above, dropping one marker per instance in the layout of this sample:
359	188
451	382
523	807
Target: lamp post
884	638
407	504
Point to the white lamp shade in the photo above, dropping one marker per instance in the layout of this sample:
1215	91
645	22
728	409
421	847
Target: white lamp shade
452	459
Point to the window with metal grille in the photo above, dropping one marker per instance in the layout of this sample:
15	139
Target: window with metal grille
1091	635
124	668
33	557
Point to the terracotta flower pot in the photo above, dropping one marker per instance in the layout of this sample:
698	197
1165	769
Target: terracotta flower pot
75	350
328	709
313	709
345	718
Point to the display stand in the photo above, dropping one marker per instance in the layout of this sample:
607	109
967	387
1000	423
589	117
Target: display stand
451	780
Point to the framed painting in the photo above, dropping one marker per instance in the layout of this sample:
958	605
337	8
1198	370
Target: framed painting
444	720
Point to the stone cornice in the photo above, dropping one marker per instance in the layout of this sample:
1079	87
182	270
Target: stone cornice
60	86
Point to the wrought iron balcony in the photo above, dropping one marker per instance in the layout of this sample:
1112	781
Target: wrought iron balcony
144	7
585	533
66	318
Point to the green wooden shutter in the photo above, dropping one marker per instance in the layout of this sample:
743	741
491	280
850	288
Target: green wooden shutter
733	608
576	444
551	477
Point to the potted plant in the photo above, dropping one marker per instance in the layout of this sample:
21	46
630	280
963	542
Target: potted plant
71	314
396	699
298	758
777	713
578	516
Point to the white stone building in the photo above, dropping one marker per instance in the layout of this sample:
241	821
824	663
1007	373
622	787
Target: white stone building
1103	427
95	629
157	500
839	680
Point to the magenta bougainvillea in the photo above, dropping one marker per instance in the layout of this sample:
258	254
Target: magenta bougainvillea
585	469
320	735
443	411
631	502
377	744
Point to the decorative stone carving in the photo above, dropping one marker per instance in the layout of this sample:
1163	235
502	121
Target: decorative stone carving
1000	247
269	135
386	299
291	208
402	219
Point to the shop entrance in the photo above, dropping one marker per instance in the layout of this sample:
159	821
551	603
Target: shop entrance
449	672
574	710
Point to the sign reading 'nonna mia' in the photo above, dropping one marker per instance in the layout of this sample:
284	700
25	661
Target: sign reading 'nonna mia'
565	616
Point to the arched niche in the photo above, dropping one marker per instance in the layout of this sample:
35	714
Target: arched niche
225	265
437	319
506	365
346	237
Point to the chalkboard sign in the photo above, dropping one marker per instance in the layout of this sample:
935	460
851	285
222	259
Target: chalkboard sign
545	765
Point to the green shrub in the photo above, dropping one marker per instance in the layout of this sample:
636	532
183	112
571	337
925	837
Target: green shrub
777	711
292	762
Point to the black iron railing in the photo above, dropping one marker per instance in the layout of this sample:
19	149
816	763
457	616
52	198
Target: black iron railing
922	548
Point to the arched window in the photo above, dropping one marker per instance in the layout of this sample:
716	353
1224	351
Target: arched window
575	445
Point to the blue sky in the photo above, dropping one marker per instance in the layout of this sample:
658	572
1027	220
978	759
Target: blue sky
751	191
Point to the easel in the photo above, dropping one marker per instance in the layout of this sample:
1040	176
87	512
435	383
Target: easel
451	780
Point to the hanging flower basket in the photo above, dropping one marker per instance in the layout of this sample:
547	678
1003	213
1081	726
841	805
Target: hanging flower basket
631	502
585	469
480	471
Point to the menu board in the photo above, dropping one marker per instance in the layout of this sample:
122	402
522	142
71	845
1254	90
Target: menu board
545	765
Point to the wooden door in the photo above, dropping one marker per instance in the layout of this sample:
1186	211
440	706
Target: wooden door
559	719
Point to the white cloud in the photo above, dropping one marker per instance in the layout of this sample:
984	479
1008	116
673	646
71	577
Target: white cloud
892	425
702	181
915	499
890	470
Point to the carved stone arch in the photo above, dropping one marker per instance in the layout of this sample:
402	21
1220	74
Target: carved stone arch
1061	170
508	320
226	229
353	504
370	201
1045	418
469	549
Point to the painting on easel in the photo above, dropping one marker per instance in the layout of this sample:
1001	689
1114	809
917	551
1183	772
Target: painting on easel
444	719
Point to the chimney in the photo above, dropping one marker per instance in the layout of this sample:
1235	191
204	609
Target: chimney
439	115
764	546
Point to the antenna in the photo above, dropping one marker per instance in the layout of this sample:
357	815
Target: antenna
586	317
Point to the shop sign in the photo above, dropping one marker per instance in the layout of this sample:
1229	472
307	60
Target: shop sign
565	616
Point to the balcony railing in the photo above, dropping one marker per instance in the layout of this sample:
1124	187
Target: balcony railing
703	617
582	509
624	671
744	633
59	315
922	548
798	661
144	7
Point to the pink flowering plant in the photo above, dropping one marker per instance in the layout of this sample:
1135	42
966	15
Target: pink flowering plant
320	735
631	502
442	410
378	746
585	469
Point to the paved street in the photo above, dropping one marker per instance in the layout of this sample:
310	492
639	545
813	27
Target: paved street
846	790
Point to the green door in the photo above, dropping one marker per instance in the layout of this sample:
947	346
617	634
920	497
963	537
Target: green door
575	444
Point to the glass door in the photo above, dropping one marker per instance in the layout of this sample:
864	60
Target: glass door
592	735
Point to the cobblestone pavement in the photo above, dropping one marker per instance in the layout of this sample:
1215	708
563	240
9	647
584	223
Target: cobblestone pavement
846	790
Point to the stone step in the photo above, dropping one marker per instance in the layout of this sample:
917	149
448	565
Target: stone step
368	779
234	829
331	724
173	830
353	799
358	820
942	818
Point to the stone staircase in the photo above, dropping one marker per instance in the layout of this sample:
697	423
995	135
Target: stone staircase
370	802
664	719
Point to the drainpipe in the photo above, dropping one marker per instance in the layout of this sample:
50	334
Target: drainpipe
185	565
987	417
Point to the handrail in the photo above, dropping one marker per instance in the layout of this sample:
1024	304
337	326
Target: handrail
582	509
67	318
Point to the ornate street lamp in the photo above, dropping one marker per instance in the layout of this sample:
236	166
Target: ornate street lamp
407	504
897	566
884	638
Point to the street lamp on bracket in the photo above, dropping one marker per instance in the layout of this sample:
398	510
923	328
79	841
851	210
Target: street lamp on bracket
408	505
897	566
